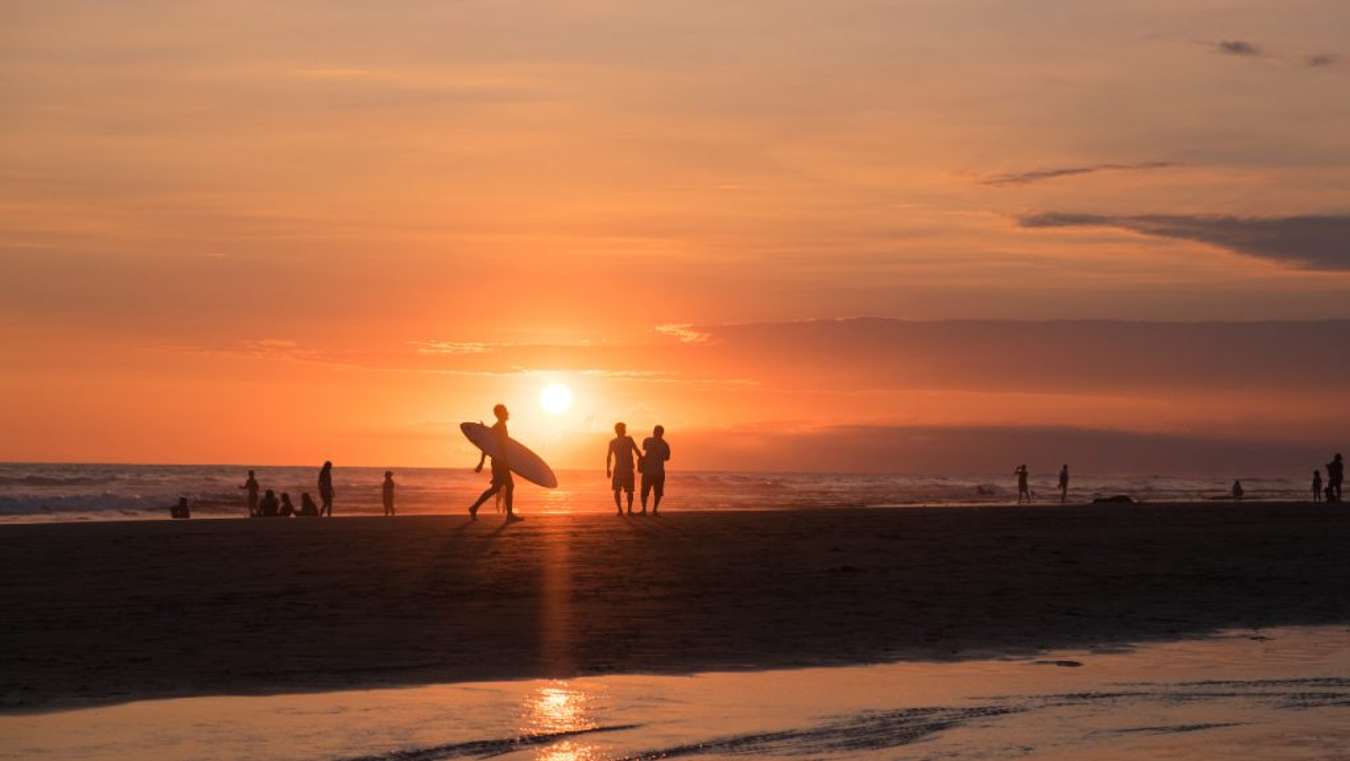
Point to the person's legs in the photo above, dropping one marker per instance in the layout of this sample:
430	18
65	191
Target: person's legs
484	497
509	492
659	487
646	490
618	506
629	491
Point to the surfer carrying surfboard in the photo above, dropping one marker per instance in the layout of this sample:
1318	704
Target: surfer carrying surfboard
501	468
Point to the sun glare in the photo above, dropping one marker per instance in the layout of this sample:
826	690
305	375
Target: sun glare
556	398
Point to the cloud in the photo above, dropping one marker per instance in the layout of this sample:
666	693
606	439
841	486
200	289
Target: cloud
1238	48
684	332
451	347
1321	59
1315	242
1037	175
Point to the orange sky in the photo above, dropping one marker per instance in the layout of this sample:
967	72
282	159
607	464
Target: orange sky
278	232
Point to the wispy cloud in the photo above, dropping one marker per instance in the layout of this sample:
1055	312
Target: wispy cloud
1320	242
1038	175
1240	48
683	331
451	347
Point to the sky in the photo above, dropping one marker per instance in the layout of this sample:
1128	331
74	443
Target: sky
801	235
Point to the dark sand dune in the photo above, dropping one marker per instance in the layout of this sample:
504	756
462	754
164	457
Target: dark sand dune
116	611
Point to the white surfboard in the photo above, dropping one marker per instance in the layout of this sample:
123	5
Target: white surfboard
524	463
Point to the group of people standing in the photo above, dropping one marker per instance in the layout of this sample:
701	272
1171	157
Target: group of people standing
1024	493
270	506
1331	492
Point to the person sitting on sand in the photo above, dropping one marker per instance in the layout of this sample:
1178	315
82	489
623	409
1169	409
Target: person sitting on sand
1023	490
326	489
1064	484
307	507
1317	486
501	469
267	508
652	463
621	451
287	509
388	492
252	486
180	510
1237	490
1335	475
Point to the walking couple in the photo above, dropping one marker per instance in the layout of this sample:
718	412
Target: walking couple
651	461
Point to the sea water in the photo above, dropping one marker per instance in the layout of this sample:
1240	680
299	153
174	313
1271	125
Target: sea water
1273	695
55	492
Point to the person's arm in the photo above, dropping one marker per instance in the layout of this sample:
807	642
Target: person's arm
634	446
482	458
609	456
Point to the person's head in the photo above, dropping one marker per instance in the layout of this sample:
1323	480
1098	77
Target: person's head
182	501
270	494
286	497
304	497
1065	466
388	474
1337	458
659	431
327	465
501	412
250	474
620	429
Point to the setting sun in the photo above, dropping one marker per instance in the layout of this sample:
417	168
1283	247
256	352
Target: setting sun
556	398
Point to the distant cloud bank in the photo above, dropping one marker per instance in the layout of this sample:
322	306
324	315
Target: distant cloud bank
1318	242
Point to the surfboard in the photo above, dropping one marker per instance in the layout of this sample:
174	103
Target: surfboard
524	463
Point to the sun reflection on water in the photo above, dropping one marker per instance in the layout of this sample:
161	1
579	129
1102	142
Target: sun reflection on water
558	707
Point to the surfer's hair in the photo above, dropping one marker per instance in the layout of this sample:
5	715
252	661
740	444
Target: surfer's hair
659	430
499	410
620	427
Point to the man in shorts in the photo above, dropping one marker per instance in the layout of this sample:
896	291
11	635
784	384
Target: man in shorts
655	452
501	469
621	451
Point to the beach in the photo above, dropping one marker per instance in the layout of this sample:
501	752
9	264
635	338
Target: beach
111	612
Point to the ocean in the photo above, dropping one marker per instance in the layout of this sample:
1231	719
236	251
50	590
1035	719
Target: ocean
81	492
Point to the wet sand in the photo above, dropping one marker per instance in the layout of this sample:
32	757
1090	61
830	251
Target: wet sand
110	612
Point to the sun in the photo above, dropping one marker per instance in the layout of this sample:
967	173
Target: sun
556	398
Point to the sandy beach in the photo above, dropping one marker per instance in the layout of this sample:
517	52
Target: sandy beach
119	611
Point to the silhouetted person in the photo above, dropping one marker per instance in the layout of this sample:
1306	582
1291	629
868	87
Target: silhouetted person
388	492
326	489
252	486
501	469
180	510
1237	490
1335	475
621	451
307	507
1064	484
1317	486
655	452
267	508
1023	490
287	509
